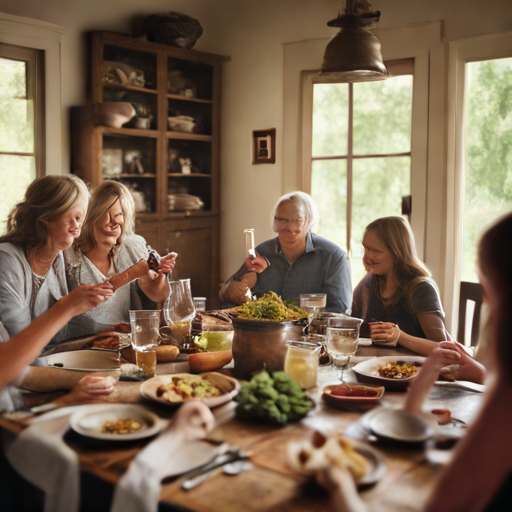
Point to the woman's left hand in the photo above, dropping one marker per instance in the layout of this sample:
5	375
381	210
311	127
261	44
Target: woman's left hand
167	263
384	332
89	389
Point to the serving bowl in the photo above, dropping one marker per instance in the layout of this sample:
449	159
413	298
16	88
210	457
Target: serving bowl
367	372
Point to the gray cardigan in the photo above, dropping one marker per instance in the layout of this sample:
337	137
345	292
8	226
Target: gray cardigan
16	281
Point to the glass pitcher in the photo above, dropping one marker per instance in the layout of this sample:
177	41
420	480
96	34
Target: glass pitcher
179	311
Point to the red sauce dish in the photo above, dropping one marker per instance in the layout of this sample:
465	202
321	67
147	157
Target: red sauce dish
352	393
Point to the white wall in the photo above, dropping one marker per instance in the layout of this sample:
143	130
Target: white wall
253	34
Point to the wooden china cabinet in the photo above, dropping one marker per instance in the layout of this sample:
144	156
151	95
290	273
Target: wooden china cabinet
154	161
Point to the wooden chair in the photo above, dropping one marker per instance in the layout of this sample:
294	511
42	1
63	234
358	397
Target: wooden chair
473	292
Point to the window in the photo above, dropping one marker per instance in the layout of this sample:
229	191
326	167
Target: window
22	140
487	151
361	155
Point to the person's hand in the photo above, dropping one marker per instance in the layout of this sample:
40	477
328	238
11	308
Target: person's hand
194	420
167	263
88	296
257	264
384	332
89	389
342	489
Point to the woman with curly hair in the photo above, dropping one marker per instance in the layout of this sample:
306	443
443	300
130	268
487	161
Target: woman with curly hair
32	274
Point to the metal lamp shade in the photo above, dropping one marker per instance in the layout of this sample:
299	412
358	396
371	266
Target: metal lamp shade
352	55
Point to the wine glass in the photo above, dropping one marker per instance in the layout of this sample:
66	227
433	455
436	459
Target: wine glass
341	341
179	311
312	304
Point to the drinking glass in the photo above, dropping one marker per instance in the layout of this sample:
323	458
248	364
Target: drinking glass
312	304
342	340
144	340
301	362
179	311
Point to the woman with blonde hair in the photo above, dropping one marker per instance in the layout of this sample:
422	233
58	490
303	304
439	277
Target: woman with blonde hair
397	299
106	247
32	273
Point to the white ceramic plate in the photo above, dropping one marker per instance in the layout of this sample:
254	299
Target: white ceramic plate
84	360
90	420
367	372
191	455
227	384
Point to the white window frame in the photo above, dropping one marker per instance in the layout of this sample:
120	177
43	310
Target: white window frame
461	52
40	35
413	41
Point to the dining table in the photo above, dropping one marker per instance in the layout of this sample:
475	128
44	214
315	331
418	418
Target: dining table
410	472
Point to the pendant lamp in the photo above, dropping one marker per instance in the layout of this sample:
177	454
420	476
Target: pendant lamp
353	54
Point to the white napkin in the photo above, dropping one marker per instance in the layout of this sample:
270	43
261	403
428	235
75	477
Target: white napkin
139	488
40	455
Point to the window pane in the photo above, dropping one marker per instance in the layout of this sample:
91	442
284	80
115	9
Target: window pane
17	172
378	187
488	151
16	110
382	116
329	190
330	119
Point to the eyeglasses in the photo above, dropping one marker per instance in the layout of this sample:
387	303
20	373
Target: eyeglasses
281	223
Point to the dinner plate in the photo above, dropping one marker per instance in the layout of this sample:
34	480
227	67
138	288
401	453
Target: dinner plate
398	425
227	385
367	372
90	420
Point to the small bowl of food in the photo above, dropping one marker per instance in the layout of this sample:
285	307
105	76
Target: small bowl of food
395	373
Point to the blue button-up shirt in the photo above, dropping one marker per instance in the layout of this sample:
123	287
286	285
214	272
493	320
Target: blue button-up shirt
323	268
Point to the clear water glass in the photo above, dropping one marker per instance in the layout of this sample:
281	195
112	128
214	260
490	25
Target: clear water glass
313	304
144	340
179	311
342	339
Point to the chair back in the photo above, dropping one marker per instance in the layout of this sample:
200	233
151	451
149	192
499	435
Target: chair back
473	292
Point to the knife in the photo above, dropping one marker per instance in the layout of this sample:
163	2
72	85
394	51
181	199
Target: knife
200	475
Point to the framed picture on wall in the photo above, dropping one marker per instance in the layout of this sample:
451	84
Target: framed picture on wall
264	146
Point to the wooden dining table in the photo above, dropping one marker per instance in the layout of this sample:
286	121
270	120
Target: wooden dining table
271	485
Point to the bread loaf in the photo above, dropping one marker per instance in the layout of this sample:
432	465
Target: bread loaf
130	274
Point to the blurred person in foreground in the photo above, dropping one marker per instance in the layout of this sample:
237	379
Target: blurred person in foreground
297	261
106	247
479	476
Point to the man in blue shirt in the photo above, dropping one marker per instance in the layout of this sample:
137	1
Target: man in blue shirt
296	262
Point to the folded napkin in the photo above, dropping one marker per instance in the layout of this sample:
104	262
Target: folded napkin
40	455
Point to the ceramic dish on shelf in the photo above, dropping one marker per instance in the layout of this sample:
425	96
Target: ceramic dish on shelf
338	395
228	387
90	420
367	372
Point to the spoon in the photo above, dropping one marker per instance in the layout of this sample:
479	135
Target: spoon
237	467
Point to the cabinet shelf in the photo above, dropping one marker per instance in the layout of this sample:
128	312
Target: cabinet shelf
130	132
192	175
188	136
130	176
129	88
185	98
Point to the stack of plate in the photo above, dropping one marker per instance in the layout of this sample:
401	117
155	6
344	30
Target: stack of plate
182	202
